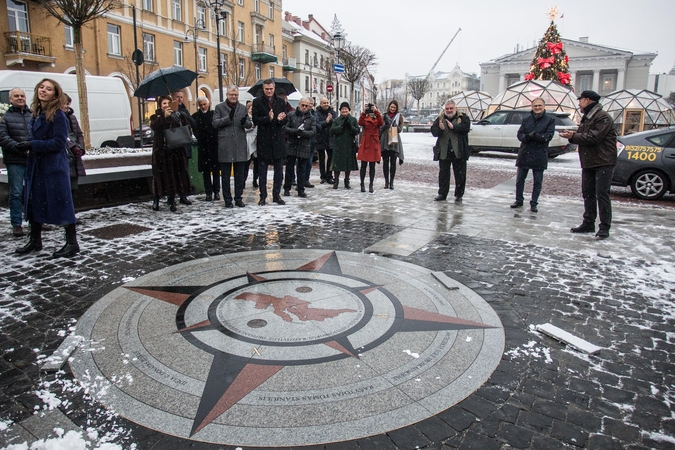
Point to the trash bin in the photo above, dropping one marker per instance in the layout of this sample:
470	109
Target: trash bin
196	179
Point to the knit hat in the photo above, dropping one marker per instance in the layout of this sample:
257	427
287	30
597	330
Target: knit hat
345	105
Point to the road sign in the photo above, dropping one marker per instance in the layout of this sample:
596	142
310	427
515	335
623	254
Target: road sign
338	68
329	88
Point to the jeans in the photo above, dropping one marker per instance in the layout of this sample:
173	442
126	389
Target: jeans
595	185
278	176
458	169
538	177
15	174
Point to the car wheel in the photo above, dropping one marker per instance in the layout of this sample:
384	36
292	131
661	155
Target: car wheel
649	185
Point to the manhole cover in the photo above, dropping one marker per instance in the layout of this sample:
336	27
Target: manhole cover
117	231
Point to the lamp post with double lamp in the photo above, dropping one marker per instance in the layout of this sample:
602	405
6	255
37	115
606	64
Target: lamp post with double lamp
217	7
338	39
199	25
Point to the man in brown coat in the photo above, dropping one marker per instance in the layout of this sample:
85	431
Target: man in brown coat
596	138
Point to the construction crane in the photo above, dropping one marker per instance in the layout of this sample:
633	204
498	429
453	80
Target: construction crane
444	50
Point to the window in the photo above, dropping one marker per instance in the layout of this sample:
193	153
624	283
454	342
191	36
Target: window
240	2
223	27
607	83
257	71
242	68
177	53
315	63
70	37
114	40
176	7
223	62
306	84
661	140
147	5
306	56
284	51
498	118
240	31
322	64
148	47
517	117
271	41
17	13
584	82
256	37
201	16
202	59
271	72
256	6
270	10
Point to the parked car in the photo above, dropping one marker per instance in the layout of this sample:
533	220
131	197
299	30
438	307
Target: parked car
646	163
145	133
499	132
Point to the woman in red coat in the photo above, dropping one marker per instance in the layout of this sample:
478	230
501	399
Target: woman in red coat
369	150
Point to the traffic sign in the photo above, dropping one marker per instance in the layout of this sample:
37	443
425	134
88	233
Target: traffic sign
329	88
338	68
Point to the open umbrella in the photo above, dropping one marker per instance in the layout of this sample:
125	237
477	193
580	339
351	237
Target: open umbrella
281	86
165	81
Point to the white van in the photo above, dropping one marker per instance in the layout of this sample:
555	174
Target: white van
109	106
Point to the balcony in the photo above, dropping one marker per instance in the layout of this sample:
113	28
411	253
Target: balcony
289	65
263	54
21	47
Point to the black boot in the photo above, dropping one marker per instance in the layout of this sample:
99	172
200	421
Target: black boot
370	188
171	201
336	182
385	170
71	247
184	200
34	240
155	204
347	183
363	187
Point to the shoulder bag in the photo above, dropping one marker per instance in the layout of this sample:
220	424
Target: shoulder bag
178	137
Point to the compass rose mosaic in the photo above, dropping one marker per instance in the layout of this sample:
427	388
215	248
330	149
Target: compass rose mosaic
286	347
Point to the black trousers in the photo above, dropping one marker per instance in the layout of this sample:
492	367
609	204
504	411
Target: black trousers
290	166
240	169
595	185
458	169
278	165
211	182
325	160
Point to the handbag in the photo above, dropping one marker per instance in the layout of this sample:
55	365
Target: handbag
178	137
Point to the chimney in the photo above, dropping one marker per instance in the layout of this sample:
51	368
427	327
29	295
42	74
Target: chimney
583	39
288	17
310	17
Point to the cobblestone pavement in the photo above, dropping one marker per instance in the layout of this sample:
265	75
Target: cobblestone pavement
617	294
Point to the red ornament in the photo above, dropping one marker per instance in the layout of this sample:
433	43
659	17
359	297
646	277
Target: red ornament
529	76
554	48
564	78
567	59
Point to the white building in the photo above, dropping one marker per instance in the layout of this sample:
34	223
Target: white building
444	85
663	84
597	67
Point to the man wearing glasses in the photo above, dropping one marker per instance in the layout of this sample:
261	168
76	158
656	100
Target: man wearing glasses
300	130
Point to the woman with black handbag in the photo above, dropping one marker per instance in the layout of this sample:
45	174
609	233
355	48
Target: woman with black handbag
169	162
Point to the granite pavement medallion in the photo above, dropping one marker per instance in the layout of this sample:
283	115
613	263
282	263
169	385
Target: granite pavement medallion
286	347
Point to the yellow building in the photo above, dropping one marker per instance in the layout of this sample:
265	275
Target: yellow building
169	32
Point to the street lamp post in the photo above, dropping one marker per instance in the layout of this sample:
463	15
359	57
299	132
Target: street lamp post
338	39
217	7
195	31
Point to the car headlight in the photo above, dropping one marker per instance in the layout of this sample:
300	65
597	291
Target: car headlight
619	148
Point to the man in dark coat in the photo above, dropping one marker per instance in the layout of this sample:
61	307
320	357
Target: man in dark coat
451	149
15	128
596	138
207	152
324	139
269	115
534	133
300	130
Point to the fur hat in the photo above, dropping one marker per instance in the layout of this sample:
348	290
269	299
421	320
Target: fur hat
345	105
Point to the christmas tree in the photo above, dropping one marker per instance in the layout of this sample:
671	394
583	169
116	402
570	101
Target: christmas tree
550	60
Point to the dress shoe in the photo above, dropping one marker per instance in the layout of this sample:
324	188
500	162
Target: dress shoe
239	203
602	234
323	181
309	185
229	205
302	194
330	180
183	200
278	200
584	228
517	205
216	196
255	184
534	208
458	199
209	198
262	202
287	192
363	187
17	231
173	208
440	198
155	204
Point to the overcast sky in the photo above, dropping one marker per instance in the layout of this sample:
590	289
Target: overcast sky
409	36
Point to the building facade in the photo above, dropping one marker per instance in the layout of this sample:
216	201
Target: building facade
443	85
600	68
169	32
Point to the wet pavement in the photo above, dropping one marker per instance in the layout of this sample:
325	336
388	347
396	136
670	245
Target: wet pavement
616	293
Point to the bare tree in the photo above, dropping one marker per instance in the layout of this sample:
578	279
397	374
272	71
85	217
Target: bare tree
77	14
357	61
418	87
128	69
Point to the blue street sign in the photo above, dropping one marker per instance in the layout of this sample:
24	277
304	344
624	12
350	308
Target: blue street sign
338	68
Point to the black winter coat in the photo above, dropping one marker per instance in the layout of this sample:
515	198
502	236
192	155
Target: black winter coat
534	134
324	138
14	128
207	137
298	141
271	143
596	138
443	145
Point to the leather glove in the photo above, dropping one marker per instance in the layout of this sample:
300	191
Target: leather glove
232	114
24	146
243	120
77	151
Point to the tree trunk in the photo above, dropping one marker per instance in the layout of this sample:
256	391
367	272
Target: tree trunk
82	86
351	98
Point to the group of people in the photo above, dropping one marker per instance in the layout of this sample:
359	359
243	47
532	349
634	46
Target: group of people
595	136
42	149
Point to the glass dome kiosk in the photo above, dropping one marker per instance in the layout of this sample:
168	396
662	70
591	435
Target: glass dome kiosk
635	110
520	95
472	103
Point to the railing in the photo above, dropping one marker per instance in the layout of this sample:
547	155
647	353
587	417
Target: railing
263	48
20	42
290	62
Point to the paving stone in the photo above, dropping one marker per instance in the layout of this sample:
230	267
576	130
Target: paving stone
478	406
473	441
514	436
535	422
598	442
569	433
409	437
584	419
435	429
457	418
543	442
550	409
379	442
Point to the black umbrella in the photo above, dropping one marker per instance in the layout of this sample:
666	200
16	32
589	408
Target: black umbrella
281	86
165	81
